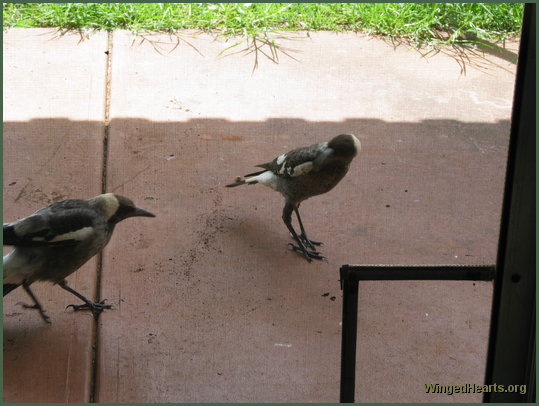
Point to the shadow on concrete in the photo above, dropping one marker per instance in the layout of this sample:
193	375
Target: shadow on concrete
297	132
215	261
418	178
198	157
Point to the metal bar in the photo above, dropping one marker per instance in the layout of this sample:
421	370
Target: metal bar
418	272
350	277
511	352
349	340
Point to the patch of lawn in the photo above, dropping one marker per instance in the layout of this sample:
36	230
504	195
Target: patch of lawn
419	24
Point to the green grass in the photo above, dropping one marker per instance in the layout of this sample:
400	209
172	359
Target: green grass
417	23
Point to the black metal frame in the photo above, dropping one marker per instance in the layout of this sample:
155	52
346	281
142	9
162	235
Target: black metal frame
511	352
350	277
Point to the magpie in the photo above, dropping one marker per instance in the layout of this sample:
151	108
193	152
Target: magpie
303	173
57	240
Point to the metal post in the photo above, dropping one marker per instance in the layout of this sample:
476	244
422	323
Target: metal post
350	277
349	339
511	352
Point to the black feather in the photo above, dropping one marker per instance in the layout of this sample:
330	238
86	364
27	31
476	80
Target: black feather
8	287
294	158
256	173
10	237
46	224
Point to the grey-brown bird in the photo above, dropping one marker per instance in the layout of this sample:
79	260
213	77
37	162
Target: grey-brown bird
303	173
57	240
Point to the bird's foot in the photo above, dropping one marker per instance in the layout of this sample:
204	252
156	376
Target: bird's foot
95	307
310	243
45	318
309	255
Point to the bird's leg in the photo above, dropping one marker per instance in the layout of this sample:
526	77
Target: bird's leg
96	308
36	305
287	218
303	235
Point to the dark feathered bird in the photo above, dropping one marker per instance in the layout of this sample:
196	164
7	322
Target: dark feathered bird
57	240
303	173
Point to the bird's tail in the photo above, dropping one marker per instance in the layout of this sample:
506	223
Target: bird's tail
237	183
8	287
240	181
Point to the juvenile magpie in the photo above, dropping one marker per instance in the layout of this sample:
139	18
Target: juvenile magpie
57	240
303	173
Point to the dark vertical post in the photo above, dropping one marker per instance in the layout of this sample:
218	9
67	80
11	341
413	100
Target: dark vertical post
510	358
350	287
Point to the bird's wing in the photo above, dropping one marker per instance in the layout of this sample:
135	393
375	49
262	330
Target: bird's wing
52	227
299	161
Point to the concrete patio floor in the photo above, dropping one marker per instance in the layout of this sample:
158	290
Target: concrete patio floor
209	302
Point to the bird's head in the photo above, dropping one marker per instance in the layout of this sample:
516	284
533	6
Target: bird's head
341	149
345	145
116	208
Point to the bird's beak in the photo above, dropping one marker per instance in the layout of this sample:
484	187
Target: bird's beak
140	212
320	159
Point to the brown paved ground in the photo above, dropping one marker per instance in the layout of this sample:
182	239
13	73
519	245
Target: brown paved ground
210	305
44	163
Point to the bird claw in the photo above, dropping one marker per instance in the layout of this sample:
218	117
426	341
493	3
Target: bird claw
309	255
45	318
95	307
310	243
